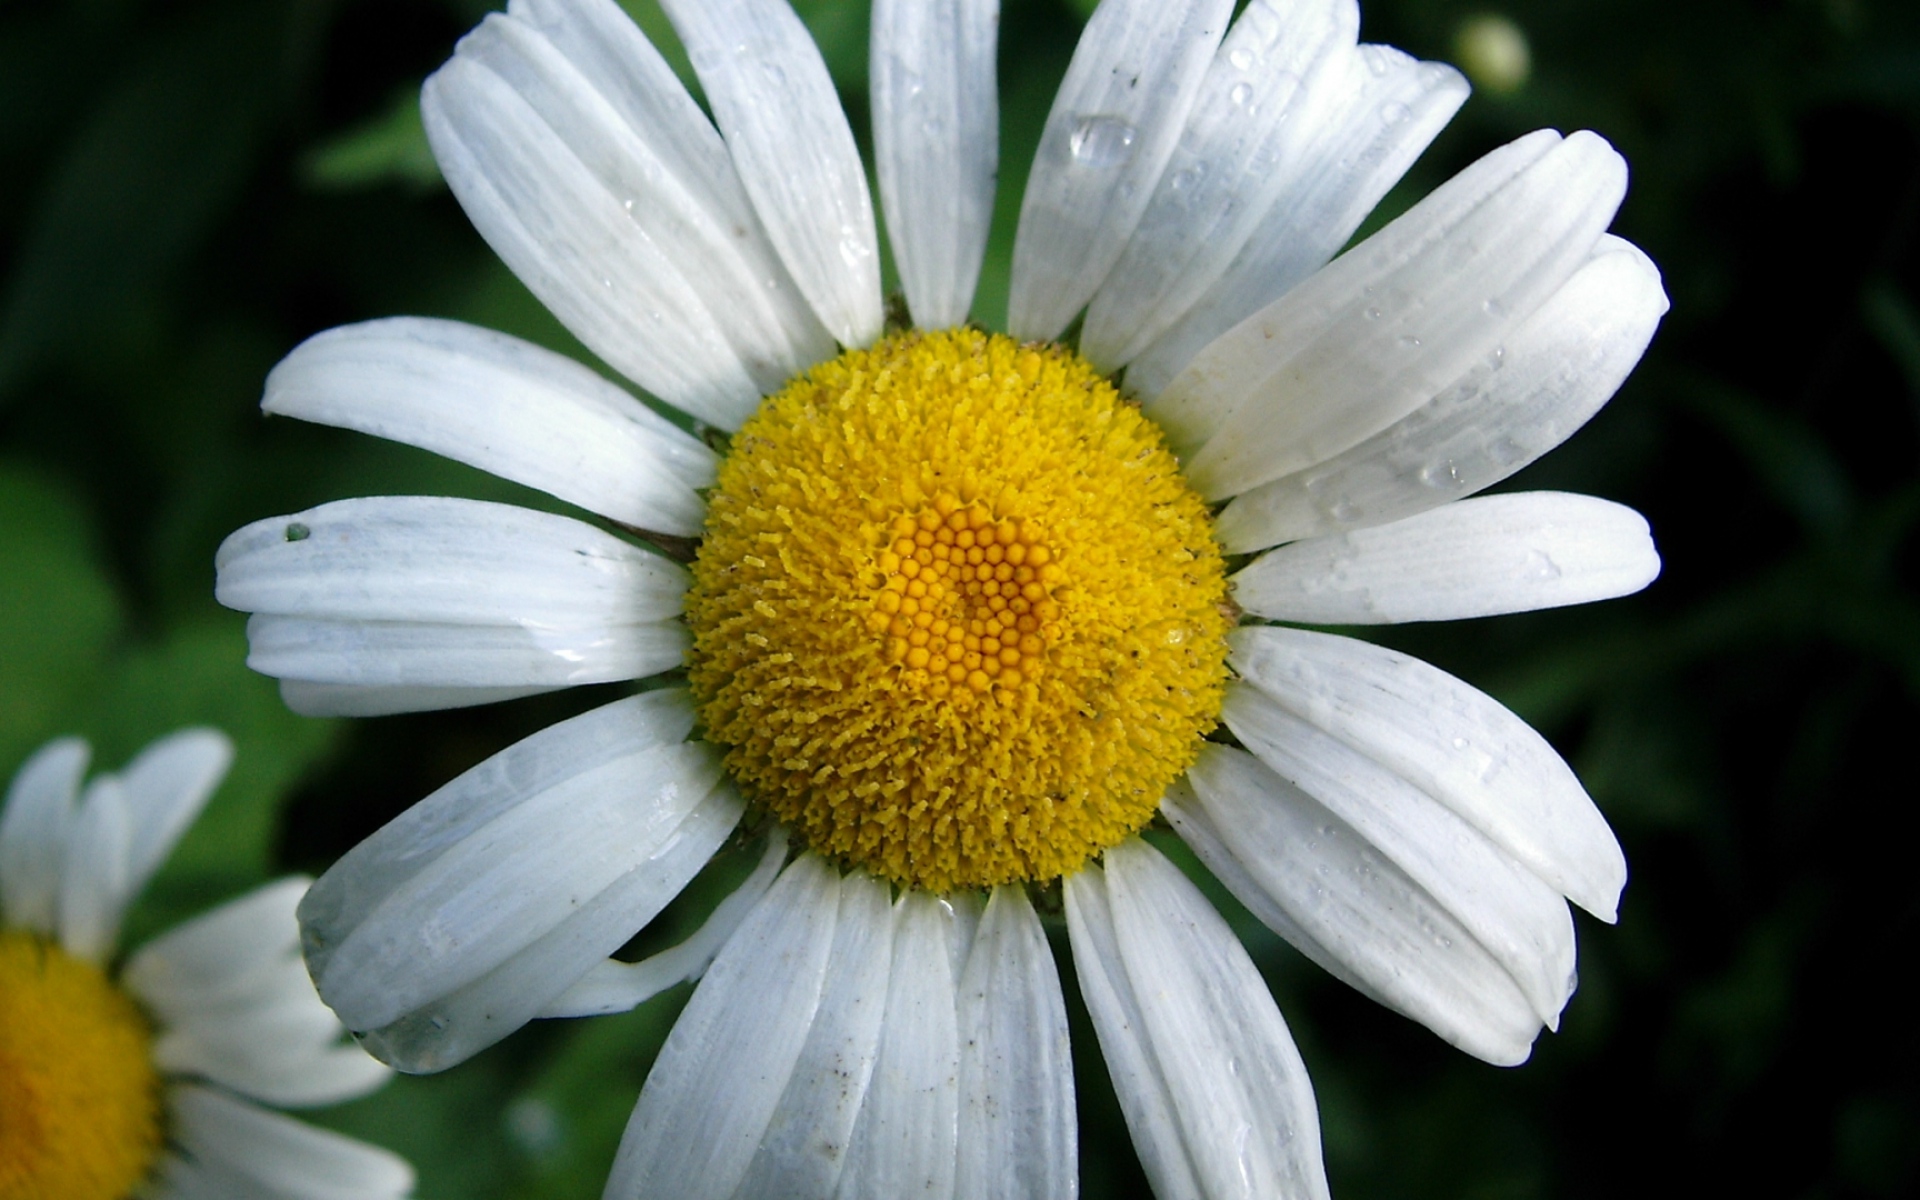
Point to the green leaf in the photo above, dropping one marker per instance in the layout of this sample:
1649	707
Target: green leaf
59	613
160	161
390	148
197	675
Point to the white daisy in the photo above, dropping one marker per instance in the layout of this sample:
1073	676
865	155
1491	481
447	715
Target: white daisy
959	625
149	1078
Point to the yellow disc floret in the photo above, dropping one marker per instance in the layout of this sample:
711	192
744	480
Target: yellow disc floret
79	1099
957	618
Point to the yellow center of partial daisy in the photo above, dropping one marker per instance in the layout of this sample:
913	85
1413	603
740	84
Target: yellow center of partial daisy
79	1099
957	618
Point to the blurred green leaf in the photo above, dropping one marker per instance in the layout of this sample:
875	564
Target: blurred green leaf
1789	458
390	148
1892	319
119	211
197	675
59	613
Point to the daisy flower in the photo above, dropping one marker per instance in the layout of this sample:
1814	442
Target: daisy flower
964	612
148	1078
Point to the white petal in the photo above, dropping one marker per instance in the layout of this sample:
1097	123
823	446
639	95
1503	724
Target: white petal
806	1144
1473	558
1555	371
781	119
607	94
1345	156
612	986
311	699
1225	174
1387	326
481	868
1018	1133
1522	922
97	870
219	954
903	1144
571	239
503	405
35	827
408	654
279	1156
719	1078
1112	128
166	787
1458	745
446	561
936	140
1324	888
1215	1094
452	1028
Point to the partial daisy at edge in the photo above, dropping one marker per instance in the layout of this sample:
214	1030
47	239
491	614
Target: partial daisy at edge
159	1074
960	623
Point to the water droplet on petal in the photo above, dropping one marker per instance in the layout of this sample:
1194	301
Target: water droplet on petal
1373	312
1241	94
1102	141
1410	342
1242	59
1395	113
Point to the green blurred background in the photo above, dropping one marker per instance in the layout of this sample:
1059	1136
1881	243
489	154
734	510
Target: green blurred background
189	188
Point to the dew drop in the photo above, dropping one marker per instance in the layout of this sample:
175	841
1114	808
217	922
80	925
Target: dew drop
1410	342
1242	59
1460	743
1395	113
1493	308
1182	180
1541	566
1442	474
1102	141
1373	312
296	532
1241	95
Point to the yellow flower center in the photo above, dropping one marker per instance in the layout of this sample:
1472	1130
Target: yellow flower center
957	618
79	1099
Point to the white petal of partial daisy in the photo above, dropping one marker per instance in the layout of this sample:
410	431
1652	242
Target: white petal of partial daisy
1214	1092
271	1039
1226	172
166	786
807	1140
612	986
452	1028
280	1156
1509	553
1384	328
936	141
781	118
724	1068
506	406
1113	125
397	654
904	1141
444	561
1555	371
220	953
453	887
95	875
1521	921
1455	743
1312	879
311	699
606	93
1018	1137
1346	157
571	240
35	827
